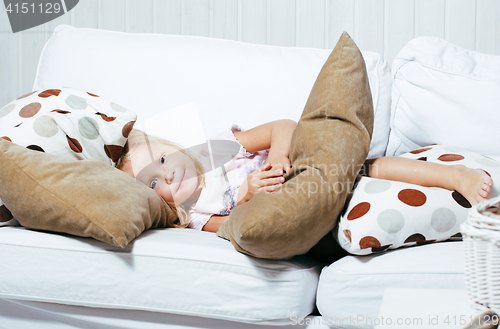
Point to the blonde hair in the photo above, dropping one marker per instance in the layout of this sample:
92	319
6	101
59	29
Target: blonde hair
137	138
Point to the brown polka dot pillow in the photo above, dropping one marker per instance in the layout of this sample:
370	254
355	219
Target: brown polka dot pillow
66	122
385	214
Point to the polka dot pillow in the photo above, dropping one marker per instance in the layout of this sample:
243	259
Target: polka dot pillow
66	122
385	214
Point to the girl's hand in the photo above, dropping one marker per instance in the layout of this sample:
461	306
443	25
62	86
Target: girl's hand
278	162
263	178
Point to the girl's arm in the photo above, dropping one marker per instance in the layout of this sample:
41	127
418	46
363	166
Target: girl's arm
214	223
275	136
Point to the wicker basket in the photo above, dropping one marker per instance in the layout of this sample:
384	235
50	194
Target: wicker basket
481	235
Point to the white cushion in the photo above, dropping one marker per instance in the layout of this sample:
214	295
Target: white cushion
175	271
231	82
187	132
353	287
444	94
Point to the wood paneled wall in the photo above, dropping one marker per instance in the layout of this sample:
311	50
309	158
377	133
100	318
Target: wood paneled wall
383	26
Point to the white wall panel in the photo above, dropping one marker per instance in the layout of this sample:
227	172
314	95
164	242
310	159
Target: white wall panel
225	19
341	17
369	25
383	26
168	16
281	28
253	21
399	25
195	17
140	16
113	14
11	69
460	18
31	46
430	18
87	14
310	21
487	26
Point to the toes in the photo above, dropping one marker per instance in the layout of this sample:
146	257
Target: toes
481	198
484	192
486	188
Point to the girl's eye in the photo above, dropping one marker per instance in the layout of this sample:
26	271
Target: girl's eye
163	159
154	184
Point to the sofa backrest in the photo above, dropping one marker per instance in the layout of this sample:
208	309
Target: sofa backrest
444	94
231	82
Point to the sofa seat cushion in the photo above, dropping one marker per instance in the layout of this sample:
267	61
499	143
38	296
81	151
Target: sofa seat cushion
176	271
353	286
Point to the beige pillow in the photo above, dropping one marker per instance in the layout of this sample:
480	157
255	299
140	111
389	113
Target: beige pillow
329	146
87	198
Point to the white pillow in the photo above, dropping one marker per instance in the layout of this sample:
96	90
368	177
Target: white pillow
444	94
232	83
181	125
385	214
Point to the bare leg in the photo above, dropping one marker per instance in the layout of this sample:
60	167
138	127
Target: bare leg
473	184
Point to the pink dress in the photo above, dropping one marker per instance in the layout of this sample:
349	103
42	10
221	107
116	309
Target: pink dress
222	184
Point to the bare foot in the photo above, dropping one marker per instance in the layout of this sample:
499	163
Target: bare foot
474	184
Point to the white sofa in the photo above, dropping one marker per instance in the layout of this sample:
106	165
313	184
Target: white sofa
169	278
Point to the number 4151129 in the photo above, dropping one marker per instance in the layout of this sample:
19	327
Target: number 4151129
25	8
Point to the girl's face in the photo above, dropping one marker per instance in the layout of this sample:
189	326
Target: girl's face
170	172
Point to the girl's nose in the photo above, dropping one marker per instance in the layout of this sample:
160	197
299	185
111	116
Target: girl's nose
169	175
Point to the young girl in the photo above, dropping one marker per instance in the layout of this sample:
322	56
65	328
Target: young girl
204	199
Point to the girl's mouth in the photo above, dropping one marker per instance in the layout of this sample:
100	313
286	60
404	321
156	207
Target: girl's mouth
181	181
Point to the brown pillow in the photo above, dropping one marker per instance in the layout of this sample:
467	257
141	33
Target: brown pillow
329	145
88	198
